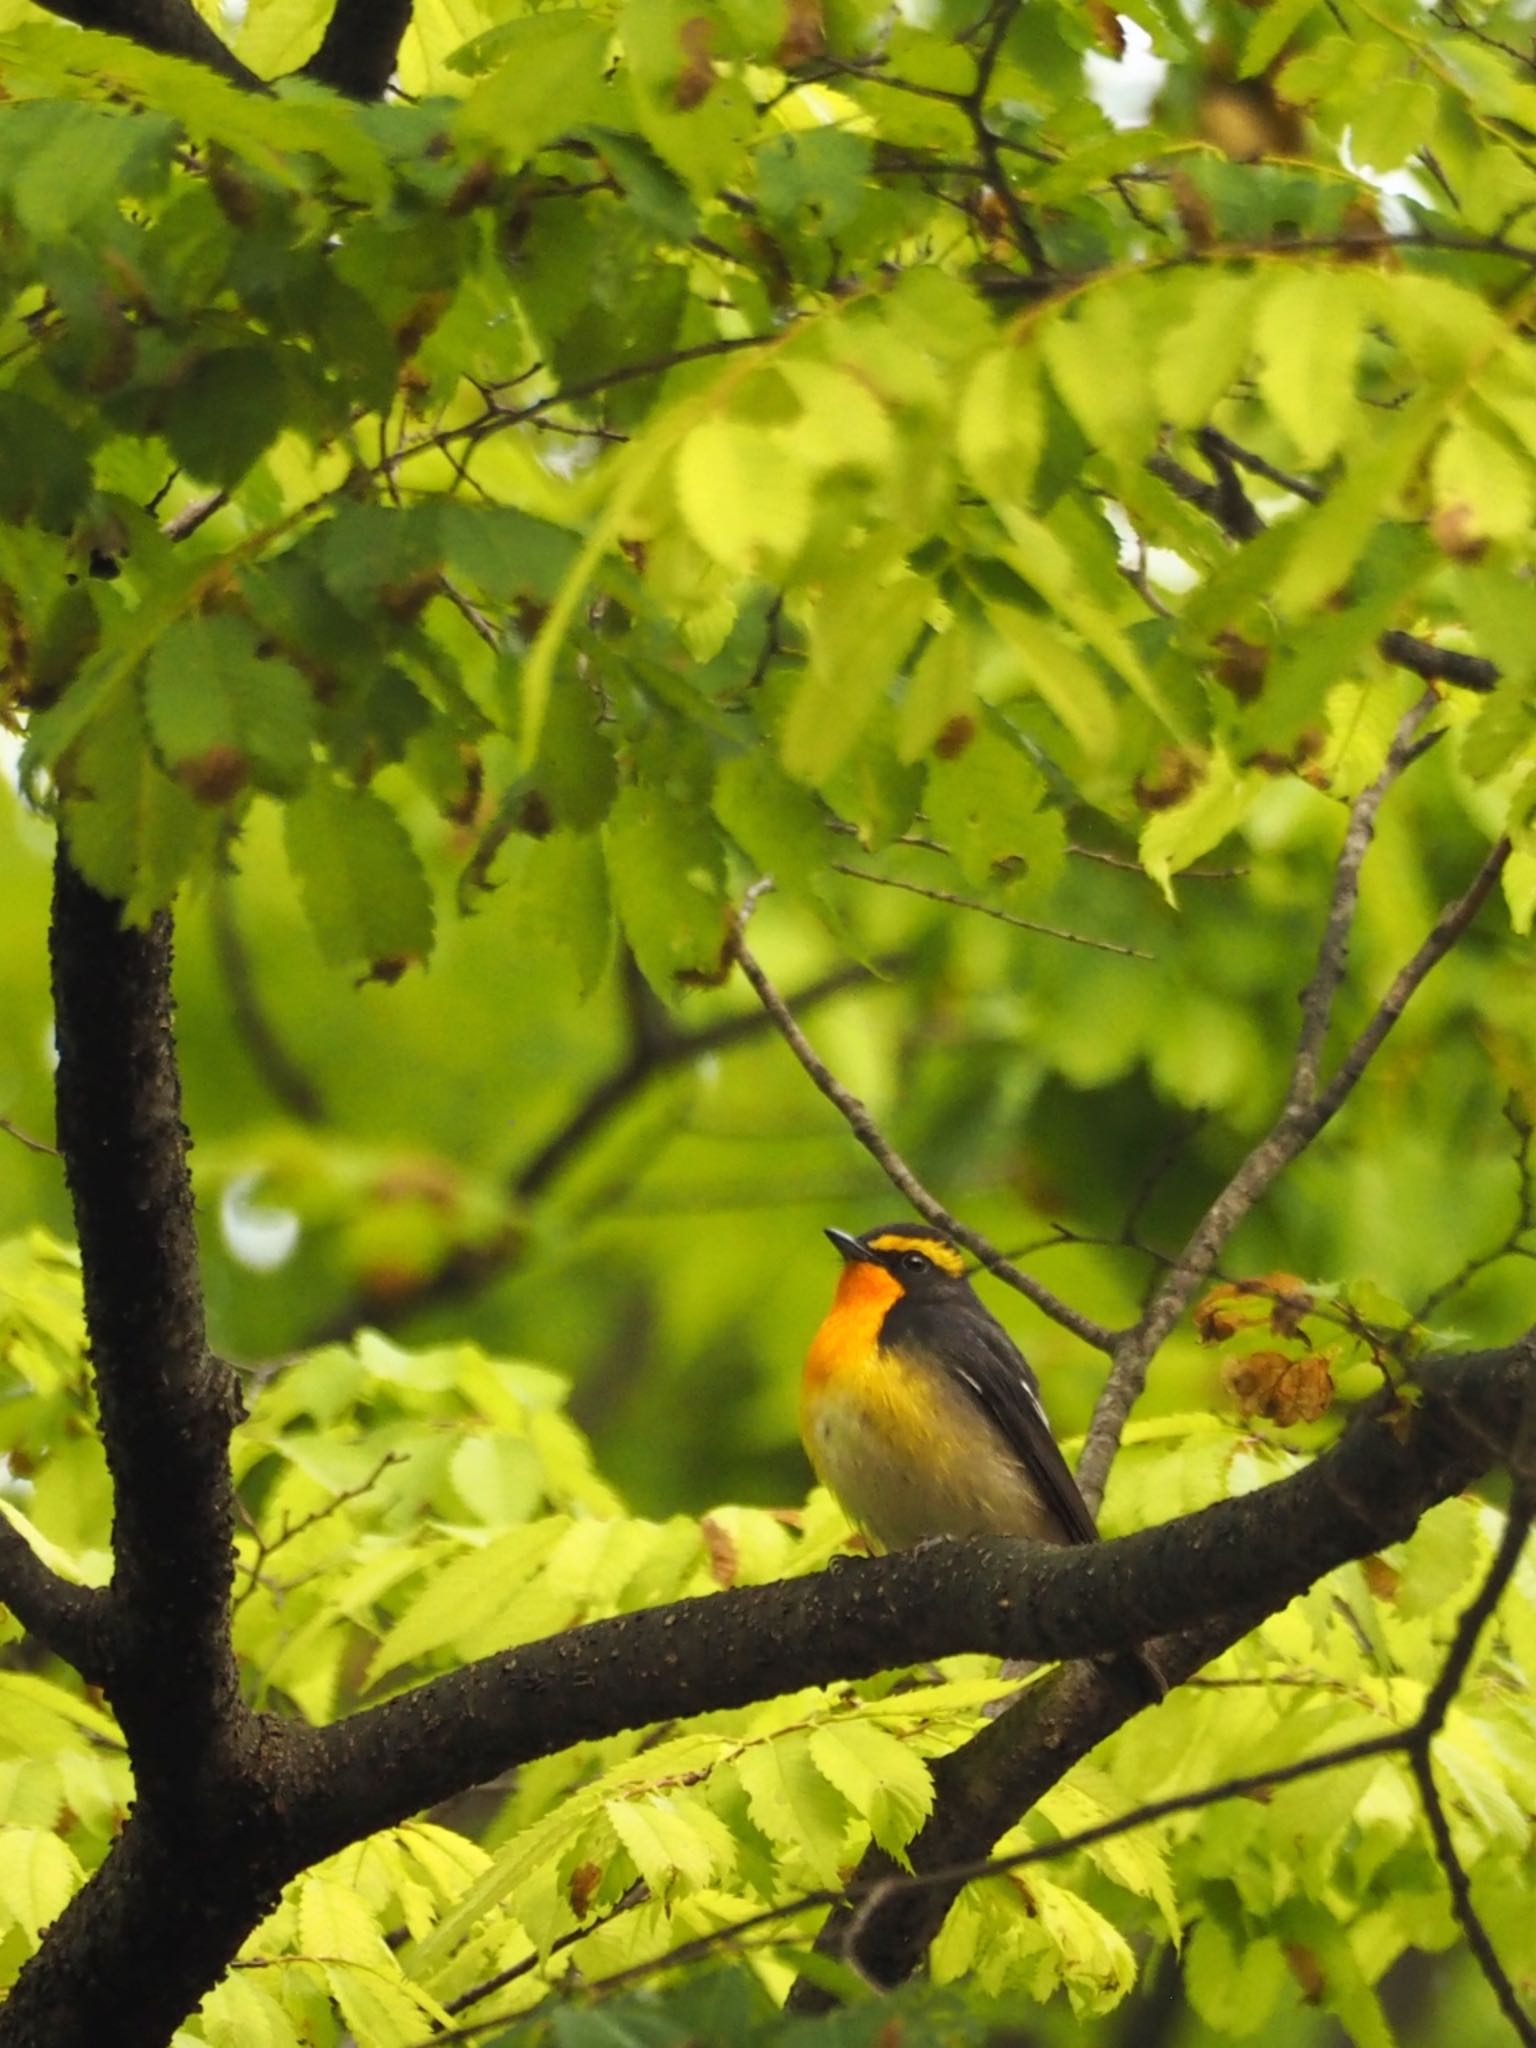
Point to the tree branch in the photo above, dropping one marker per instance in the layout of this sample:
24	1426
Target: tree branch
72	1621
167	1406
173	27
1304	1112
895	1168
360	47
1229	1565
887	1918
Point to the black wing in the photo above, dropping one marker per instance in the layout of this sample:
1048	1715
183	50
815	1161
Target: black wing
985	1360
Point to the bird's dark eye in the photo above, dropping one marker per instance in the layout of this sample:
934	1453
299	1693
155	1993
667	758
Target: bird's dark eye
914	1262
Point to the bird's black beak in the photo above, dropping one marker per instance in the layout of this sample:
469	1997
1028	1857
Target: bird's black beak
850	1248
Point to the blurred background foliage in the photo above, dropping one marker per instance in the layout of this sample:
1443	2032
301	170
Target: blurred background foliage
636	458
362	1152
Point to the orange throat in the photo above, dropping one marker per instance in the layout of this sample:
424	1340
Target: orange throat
851	1333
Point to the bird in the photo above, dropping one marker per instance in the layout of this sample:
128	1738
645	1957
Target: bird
920	1413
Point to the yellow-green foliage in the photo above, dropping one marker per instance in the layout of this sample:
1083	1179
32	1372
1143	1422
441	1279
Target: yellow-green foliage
409	1510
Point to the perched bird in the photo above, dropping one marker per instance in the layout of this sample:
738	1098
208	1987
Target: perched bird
918	1410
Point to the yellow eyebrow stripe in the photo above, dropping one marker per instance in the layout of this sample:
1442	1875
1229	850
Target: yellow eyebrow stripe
943	1256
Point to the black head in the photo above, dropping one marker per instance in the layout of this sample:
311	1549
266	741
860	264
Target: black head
920	1257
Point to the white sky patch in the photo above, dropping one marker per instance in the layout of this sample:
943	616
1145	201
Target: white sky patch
1168	570
1394	187
1123	88
259	1235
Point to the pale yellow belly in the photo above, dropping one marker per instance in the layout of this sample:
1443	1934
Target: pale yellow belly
955	1478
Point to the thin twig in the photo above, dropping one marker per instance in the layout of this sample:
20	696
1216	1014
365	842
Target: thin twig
1127	865
895	1168
255	1566
192	516
1023	924
1026	240
1317	998
32	1144
1510	1245
1246	458
1302	1115
871	1896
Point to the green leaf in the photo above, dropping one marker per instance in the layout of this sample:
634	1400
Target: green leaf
132	832
673	1841
548	78
240	2013
221	714
1270	33
1176	838
667	875
360	877
1519	881
820	171
940	690
78	160
984	803
885	1782
1308	335
467	1595
45	475
1233	1986
563	896
1201	354
1481	485
1000	427
39	1875
1394	123
1096	353
746	498
862	628
797	1808
224	411
781	828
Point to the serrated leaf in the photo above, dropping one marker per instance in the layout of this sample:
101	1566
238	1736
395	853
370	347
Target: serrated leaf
1097	355
45	475
884	1780
940	689
798	1809
548	77
781	828
1175	838
1234	1987
667	874
1136	1860
1479	480
241	2014
563	892
1000	425
984	804
224	411
1069	685
1199	357
1438	1559
860	634
672	1840
133	833
1308	336
468	1594
1519	882
221	714
39	1875
360	877
1270	33
746	499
